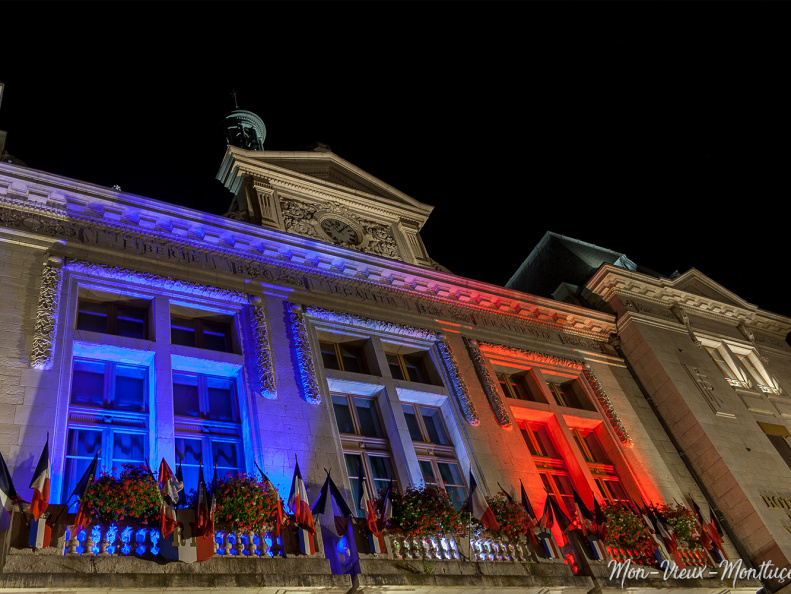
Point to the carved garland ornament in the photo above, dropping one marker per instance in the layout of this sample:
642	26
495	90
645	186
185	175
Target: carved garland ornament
155	280
371	324
609	409
307	371
47	315
489	383
593	381
266	371
458	385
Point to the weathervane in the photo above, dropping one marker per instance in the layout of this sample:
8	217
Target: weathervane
235	95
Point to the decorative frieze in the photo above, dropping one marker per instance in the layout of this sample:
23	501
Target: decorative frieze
329	315
155	280
263	352
533	356
457	384
490	384
47	315
307	370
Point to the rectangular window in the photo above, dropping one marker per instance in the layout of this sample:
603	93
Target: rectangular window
411	367
119	446
358	416
520	387
115	318
343	357
425	424
599	465
570	394
727	368
204	396
212	333
106	384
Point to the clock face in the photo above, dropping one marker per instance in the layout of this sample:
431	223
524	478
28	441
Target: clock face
340	231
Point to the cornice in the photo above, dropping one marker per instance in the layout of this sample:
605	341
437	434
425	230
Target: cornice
84	214
610	281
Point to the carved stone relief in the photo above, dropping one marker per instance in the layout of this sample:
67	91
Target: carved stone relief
47	315
263	352
298	217
307	371
490	384
457	383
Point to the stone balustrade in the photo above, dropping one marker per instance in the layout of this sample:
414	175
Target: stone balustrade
127	540
449	548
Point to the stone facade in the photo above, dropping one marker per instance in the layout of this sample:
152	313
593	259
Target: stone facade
156	331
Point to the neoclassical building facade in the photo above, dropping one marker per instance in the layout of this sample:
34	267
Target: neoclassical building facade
310	322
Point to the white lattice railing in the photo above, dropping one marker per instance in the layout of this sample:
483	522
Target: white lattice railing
114	540
446	548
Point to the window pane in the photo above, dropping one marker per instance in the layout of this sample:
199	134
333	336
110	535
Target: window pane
369	418
130	393
342	414
382	470
411	423
186	401
87	385
353	468
127	448
395	366
216	336
428	472
450	473
75	468
432	418
328	356
416	368
83	442
220	398
131	322
353	359
226	458
597	451
92	316
542	437
182	331
189	453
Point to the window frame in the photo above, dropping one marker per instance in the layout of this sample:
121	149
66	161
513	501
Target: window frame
111	317
401	362
200	319
359	356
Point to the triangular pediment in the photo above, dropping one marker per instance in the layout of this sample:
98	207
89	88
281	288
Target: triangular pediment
329	168
695	282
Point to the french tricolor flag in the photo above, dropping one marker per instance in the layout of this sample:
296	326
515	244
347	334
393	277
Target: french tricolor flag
480	508
298	502
40	484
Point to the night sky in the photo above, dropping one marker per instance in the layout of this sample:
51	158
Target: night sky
658	130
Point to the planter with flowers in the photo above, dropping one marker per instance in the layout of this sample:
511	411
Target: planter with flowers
684	525
246	510
133	497
627	535
123	514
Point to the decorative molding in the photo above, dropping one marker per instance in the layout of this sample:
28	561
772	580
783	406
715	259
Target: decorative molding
683	317
532	355
47	315
748	334
255	258
329	315
307	371
457	383
490	384
263	352
155	280
608	408
593	381
299	217
380	240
